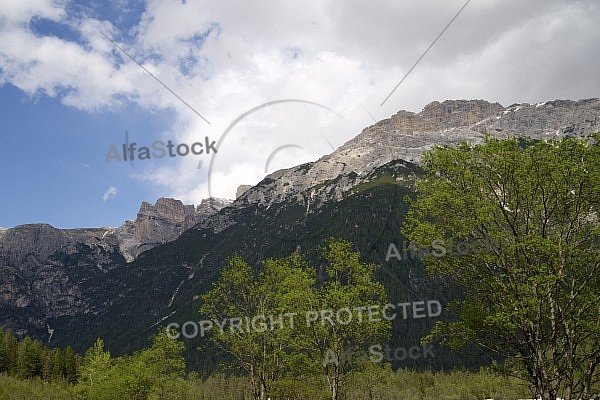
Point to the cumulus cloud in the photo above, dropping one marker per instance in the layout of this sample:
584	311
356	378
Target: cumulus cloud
226	58
16	12
110	193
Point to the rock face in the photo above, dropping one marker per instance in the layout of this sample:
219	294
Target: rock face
160	223
44	270
41	269
407	135
241	190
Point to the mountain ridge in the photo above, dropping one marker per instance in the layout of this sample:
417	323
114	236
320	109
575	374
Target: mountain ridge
406	135
152	269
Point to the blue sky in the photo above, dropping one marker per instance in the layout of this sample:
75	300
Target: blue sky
67	93
54	161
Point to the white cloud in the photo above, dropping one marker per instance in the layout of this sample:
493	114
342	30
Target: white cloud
22	11
110	193
225	58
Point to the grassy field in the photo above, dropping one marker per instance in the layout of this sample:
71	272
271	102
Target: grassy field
377	384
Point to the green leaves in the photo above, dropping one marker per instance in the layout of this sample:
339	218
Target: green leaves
288	286
531	297
96	364
267	343
150	371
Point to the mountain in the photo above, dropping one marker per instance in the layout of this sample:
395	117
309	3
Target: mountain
161	223
43	270
406	135
71	286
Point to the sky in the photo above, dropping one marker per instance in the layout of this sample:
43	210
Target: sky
261	85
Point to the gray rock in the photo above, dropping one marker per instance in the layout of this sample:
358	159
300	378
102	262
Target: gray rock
241	190
407	135
160	223
43	269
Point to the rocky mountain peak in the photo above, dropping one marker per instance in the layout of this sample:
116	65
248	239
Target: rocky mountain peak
24	241
439	116
162	222
457	113
212	205
167	208
407	135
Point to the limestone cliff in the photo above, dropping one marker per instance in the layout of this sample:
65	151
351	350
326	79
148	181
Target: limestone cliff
406	135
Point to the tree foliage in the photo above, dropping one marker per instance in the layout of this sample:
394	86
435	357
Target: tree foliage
265	348
348	284
28	358
532	299
96	364
286	290
150	372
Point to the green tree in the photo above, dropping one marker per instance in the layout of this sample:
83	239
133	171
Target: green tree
70	365
299	329
58	364
29	363
349	286
135	378
533	298
165	363
155	372
96	364
4	356
267	304
48	365
11	348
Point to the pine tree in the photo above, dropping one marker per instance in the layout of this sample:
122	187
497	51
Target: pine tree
70	363
11	350
4	360
36	354
29	362
58	365
48	363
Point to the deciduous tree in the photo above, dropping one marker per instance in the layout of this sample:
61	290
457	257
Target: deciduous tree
532	299
349	286
265	302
